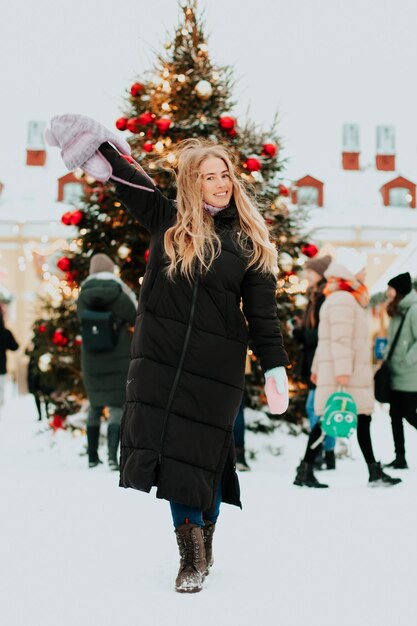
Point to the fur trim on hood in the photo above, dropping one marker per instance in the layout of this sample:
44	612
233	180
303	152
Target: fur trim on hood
111	276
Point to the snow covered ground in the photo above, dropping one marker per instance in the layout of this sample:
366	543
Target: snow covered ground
76	550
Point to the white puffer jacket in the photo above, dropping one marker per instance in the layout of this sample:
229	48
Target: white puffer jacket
344	347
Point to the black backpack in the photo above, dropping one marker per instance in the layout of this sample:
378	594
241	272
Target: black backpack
99	330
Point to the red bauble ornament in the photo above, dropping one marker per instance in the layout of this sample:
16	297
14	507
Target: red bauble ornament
70	277
42	328
135	89
78	340
163	124
269	149
77	217
146	255
145	118
227	122
64	264
232	133
253	164
283	190
59	338
148	146
121	123
310	250
66	218
57	422
133	125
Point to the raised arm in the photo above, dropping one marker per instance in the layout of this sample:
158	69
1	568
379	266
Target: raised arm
147	204
260	309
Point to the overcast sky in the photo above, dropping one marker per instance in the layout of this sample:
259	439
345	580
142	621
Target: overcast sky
319	62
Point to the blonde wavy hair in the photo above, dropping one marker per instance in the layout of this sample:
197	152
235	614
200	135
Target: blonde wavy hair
192	242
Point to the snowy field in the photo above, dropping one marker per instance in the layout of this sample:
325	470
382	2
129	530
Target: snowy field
77	550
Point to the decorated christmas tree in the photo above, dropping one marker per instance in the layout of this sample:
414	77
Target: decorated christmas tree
184	96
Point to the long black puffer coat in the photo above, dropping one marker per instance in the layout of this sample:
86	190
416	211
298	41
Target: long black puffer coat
186	376
104	373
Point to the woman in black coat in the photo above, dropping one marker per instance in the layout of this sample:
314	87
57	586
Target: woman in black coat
209	251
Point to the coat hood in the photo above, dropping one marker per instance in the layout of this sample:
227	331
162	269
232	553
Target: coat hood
408	301
99	293
110	277
339	271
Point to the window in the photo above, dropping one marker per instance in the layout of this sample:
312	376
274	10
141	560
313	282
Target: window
35	136
307	196
350	138
385	140
399	196
73	193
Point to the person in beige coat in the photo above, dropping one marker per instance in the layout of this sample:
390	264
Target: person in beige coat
343	359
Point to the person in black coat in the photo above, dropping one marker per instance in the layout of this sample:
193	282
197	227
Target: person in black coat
209	251
7	342
306	333
105	371
186	376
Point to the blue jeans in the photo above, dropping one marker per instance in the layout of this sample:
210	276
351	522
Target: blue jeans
329	442
182	514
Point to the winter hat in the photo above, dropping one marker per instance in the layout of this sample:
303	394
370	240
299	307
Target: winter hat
79	137
351	259
319	264
101	263
401	283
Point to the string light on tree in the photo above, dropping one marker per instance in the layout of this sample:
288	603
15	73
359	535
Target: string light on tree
286	262
44	362
123	251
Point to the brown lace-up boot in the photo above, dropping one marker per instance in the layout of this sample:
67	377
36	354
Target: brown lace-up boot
193	558
208	531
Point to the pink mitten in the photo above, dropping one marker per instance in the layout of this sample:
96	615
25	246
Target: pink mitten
276	390
79	137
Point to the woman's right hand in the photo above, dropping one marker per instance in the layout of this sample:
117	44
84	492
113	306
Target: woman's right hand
313	378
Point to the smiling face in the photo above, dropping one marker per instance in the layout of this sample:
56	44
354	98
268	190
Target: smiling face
216	183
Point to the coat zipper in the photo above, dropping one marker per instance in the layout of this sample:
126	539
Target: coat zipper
179	369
